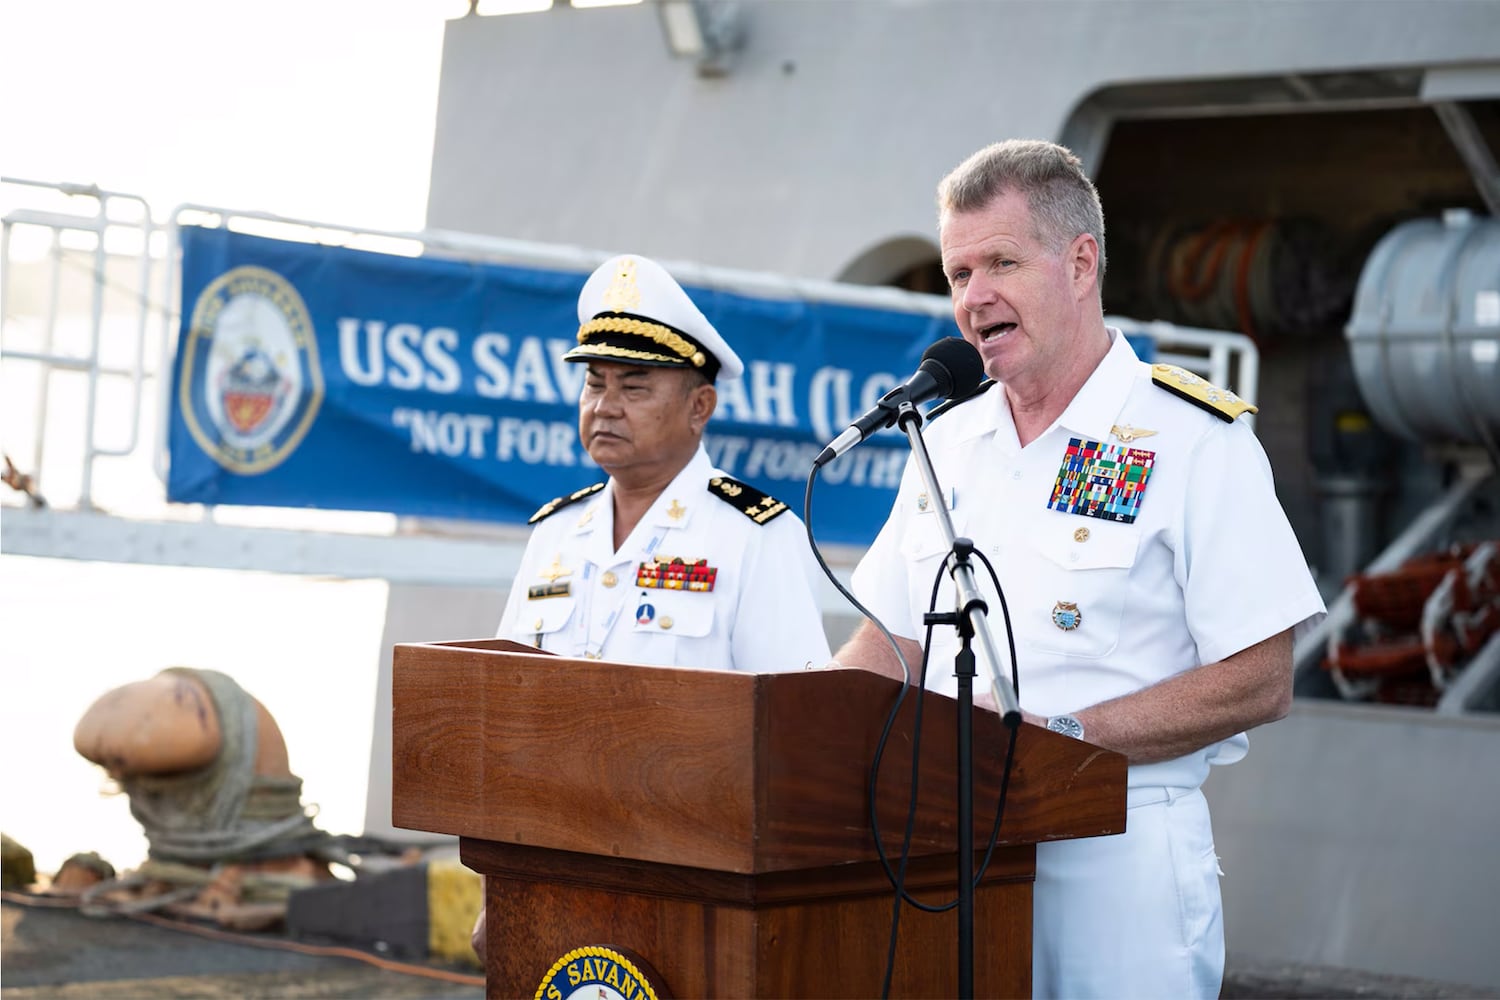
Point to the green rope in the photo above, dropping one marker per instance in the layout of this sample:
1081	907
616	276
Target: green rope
223	812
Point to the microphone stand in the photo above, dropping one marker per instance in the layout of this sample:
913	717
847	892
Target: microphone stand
969	616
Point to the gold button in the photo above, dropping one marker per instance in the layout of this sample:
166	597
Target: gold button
1081	535
538	626
610	579
666	621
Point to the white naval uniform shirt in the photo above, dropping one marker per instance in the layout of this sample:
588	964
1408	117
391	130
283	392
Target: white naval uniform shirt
1209	567
762	615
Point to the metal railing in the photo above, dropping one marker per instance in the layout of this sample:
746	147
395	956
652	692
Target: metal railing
101	227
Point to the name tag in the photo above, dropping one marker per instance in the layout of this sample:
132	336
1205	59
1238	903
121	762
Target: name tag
543	590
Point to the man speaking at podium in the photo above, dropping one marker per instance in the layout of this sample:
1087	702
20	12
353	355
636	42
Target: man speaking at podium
670	562
1151	577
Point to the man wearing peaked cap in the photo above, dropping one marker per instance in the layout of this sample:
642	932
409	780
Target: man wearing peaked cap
669	562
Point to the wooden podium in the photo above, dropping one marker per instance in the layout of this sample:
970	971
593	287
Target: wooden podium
716	823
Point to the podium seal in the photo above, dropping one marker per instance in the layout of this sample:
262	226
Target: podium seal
601	972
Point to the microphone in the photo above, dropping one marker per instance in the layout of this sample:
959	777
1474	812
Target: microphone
950	367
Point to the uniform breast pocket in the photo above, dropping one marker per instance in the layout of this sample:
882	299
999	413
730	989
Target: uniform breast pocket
1076	585
684	613
924	550
546	616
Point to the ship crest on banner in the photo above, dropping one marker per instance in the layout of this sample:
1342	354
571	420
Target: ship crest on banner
250	383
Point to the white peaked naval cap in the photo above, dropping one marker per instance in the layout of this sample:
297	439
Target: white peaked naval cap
631	311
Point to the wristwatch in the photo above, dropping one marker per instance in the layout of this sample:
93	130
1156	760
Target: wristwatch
1067	725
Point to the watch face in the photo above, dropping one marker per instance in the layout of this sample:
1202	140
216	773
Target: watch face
1067	725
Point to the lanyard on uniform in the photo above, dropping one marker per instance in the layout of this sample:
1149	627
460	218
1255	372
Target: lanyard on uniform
585	605
593	648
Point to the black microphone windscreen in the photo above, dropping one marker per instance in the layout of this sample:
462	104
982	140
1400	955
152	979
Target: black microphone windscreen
961	367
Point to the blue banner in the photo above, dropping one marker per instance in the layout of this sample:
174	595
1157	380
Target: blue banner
314	376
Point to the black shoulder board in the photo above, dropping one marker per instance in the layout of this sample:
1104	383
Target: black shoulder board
984	387
1196	390
553	506
757	506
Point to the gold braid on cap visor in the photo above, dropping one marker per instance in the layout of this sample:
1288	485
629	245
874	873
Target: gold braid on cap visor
662	335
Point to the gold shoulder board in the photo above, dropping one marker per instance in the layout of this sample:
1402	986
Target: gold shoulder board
757	506
558	503
1196	390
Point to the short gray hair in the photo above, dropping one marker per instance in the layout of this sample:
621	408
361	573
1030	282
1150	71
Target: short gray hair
1062	199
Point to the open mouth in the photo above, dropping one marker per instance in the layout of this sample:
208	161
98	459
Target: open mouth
995	332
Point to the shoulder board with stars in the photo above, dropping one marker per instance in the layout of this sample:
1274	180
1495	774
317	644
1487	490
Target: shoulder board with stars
984	387
558	503
1200	392
757	506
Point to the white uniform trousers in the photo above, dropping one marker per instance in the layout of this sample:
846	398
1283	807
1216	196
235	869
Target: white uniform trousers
1132	915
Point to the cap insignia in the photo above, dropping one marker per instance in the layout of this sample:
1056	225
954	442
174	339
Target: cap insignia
623	294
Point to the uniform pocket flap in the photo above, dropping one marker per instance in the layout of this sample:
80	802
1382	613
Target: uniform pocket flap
546	615
923	538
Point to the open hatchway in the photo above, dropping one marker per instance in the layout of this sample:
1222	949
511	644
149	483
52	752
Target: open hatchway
1259	206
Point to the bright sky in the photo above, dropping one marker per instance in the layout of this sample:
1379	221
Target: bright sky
320	110
316	109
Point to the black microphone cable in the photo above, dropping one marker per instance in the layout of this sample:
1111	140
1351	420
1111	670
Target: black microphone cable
897	877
